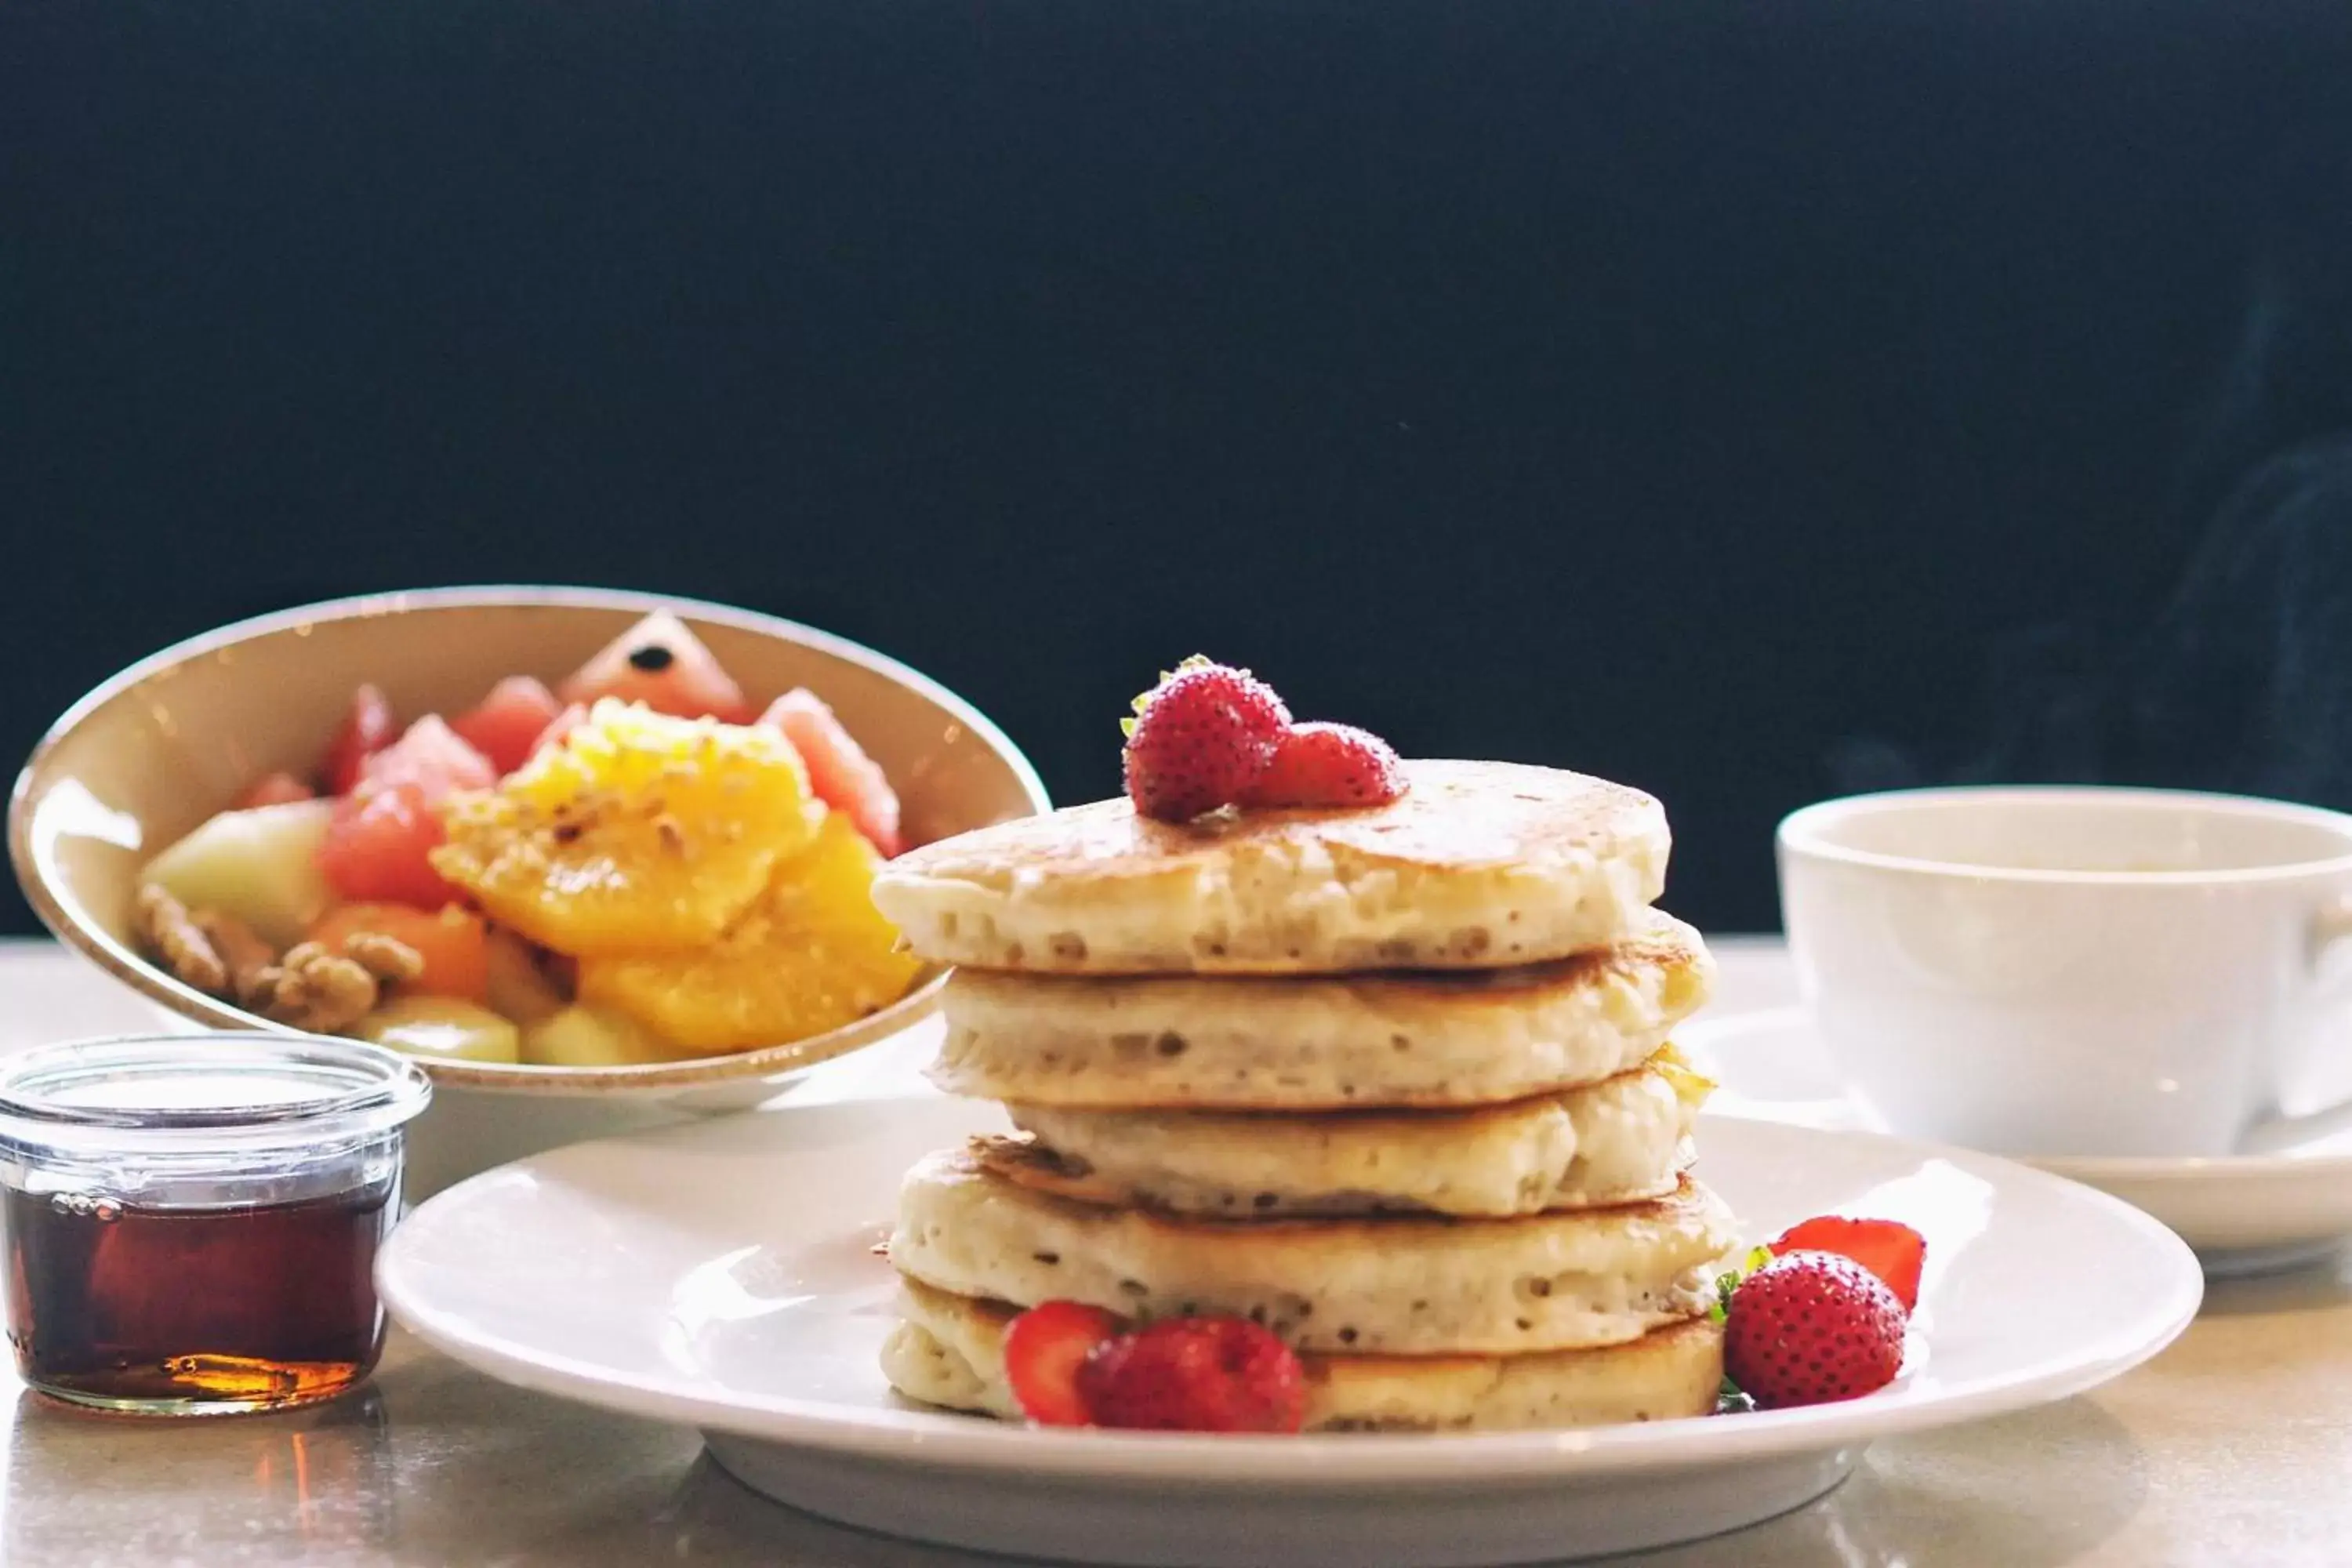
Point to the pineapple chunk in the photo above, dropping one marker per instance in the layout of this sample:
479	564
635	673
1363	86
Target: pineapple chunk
592	1037
813	955
638	832
441	1026
260	865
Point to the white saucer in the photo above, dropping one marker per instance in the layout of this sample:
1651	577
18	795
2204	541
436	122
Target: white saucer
720	1275
2242	1214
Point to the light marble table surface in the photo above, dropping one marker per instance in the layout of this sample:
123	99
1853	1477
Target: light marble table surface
2234	1446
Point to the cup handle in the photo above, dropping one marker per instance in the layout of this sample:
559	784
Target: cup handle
2330	925
2331	928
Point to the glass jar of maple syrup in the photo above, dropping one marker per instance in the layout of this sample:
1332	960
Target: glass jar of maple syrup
191	1222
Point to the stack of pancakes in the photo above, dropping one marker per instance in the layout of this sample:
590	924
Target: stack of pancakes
1393	1083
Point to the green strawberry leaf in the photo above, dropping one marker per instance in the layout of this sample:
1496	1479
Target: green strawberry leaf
1725	1284
1144	699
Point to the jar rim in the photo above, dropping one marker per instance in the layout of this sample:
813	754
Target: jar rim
224	1083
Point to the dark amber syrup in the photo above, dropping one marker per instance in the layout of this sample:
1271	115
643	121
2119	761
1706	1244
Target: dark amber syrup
209	1310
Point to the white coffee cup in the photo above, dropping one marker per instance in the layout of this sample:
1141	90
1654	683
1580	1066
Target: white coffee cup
2079	970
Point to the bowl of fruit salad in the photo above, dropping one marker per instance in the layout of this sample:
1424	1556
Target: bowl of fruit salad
598	859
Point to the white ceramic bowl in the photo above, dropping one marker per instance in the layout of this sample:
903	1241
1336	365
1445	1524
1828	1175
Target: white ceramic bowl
157	748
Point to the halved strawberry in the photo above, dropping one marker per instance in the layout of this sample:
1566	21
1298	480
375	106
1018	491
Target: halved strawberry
1892	1251
1044	1349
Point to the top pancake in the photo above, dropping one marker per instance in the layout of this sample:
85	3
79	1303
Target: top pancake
1480	865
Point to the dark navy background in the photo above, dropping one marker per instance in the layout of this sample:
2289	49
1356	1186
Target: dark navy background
1741	401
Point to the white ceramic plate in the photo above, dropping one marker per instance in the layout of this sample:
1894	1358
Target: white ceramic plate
722	1276
2242	1214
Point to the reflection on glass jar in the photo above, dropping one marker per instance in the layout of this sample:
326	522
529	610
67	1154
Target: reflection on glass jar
328	1475
310	1485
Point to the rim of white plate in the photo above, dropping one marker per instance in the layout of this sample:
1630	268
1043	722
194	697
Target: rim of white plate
937	1439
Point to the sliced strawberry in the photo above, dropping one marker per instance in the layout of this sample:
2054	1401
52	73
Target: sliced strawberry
1044	1349
274	789
1196	1375
367	728
1894	1252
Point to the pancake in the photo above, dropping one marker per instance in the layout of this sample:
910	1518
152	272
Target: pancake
1479	865
1618	1141
948	1351
1317	1044
1405	1285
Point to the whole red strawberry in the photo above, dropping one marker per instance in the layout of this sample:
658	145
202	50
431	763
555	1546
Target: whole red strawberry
1811	1327
1329	766
1196	1375
1200	738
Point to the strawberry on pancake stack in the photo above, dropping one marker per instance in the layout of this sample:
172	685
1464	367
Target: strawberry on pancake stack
1341	1091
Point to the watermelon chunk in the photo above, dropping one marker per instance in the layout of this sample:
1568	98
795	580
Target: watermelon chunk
840	773
661	664
378	846
431	756
507	725
274	789
563	724
367	728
